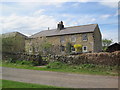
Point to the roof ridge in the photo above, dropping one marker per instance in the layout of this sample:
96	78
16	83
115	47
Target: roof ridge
81	25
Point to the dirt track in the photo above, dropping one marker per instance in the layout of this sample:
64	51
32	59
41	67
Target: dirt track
59	79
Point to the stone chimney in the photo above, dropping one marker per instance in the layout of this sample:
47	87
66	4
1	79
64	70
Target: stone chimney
60	26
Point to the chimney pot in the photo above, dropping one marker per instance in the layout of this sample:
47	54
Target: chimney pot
60	25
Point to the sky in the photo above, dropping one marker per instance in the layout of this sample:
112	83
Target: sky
35	16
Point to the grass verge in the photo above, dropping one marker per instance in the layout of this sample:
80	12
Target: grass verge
60	67
7	84
15	84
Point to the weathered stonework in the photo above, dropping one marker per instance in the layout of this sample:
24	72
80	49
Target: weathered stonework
92	44
13	42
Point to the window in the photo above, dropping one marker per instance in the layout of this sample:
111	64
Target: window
84	48
72	49
73	39
62	40
30	49
62	48
84	37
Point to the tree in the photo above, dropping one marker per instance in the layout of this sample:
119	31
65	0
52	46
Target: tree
46	47
68	47
106	43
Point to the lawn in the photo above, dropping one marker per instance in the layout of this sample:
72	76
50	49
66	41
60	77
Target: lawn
60	67
15	84
7	84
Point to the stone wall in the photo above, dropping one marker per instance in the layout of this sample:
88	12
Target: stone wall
104	58
22	56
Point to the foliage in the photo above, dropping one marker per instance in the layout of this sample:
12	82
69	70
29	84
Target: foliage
68	47
83	68
21	62
12	44
61	67
78	47
55	65
106	43
46	47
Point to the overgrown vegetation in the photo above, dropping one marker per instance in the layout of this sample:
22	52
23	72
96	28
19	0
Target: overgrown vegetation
106	43
62	67
68	48
84	68
46	48
20	62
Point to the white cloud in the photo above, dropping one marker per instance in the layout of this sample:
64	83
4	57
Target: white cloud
80	20
109	3
105	16
39	12
26	23
110	34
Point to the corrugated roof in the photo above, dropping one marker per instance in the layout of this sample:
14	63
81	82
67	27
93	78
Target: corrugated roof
66	31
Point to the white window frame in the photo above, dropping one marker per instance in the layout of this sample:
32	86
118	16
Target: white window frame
30	49
85	50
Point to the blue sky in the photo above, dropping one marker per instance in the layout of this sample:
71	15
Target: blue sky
32	17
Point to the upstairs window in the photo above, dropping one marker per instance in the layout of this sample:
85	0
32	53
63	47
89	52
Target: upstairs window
62	39
73	39
84	37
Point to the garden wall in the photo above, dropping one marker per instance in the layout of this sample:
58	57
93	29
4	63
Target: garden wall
22	56
102	58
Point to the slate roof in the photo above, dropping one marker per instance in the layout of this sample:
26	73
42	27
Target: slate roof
66	31
12	34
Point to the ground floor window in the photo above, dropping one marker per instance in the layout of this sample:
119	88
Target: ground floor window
62	48
84	49
72	49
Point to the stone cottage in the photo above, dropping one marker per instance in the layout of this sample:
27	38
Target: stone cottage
13	42
89	36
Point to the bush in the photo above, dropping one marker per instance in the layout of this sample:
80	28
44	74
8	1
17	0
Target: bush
55	65
24	62
88	66
10	60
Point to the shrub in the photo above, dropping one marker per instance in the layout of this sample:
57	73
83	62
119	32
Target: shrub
24	62
10	60
55	65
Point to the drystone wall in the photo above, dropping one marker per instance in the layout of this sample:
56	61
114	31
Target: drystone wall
103	58
22	56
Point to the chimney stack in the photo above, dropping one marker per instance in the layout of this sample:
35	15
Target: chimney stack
60	26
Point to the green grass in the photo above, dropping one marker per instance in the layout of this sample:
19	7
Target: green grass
7	84
15	84
60	67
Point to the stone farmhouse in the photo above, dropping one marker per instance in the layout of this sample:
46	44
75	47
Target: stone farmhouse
89	36
13	42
